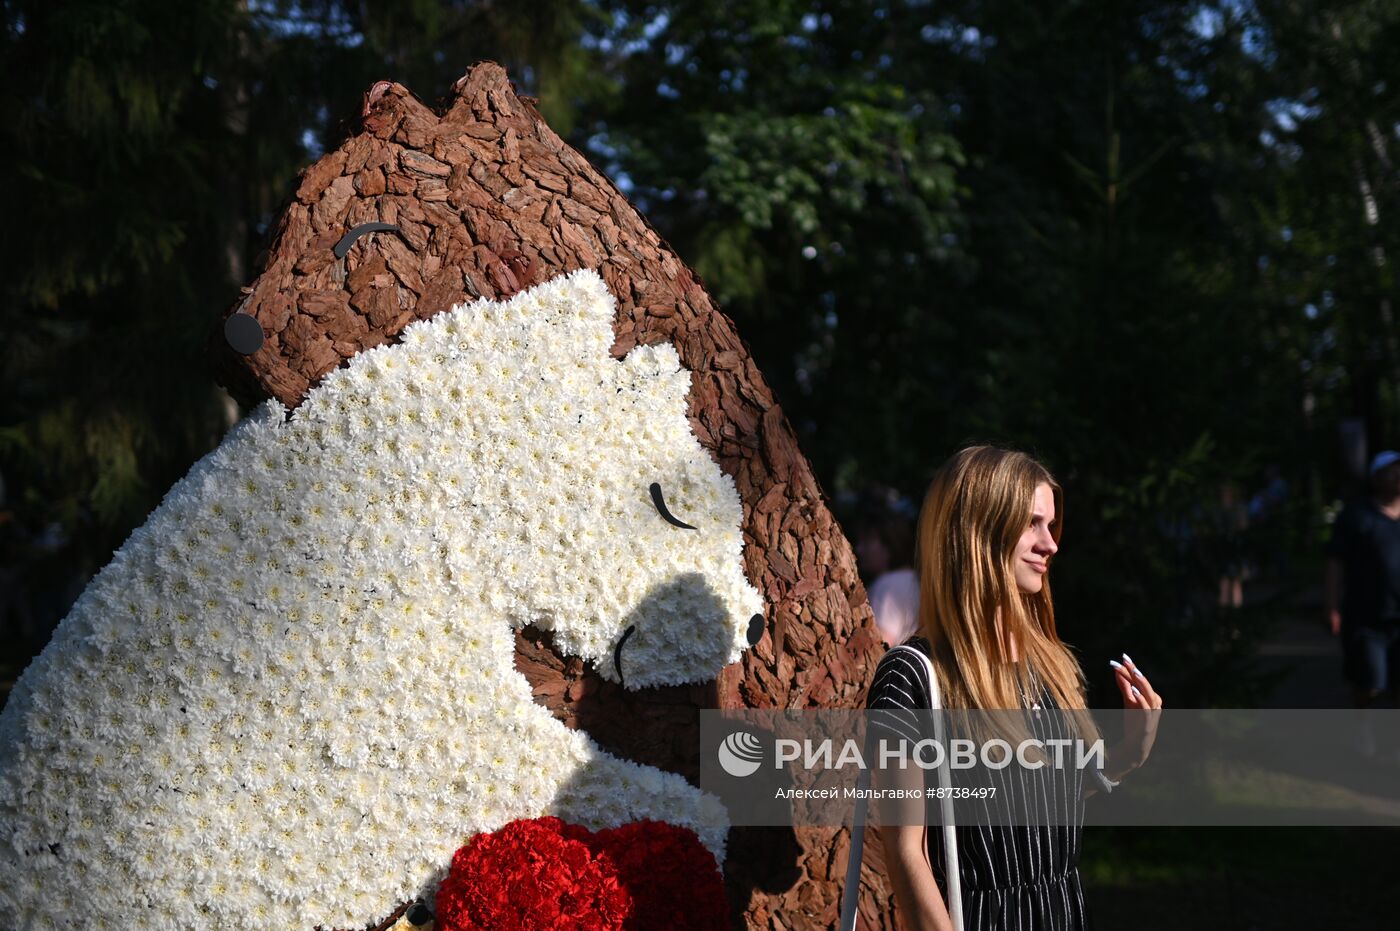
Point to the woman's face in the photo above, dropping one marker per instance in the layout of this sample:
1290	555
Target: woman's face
1036	546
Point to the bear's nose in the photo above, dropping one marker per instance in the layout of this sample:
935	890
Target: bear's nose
755	629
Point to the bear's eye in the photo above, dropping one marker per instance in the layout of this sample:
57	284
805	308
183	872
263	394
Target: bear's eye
658	499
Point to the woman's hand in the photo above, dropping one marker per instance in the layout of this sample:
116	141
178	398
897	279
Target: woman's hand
1142	708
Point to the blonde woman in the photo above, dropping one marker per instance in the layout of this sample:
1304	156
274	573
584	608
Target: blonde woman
989	528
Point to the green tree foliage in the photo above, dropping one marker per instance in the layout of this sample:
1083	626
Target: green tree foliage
814	189
1151	242
1334	201
114	248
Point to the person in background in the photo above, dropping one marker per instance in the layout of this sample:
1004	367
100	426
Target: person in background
885	552
1361	588
1268	518
1232	519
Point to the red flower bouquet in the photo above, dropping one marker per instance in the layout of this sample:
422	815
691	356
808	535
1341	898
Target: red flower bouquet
544	874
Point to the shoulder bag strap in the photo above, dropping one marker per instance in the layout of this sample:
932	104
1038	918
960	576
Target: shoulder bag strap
851	889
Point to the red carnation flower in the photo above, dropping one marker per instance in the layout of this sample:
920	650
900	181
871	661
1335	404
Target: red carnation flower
673	879
528	876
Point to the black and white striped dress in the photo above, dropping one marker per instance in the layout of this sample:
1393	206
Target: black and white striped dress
1013	877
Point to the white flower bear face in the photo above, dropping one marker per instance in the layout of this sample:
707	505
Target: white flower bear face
291	695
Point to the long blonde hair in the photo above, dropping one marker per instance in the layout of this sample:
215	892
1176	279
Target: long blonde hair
977	507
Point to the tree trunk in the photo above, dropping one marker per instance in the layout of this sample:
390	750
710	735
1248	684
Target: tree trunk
489	201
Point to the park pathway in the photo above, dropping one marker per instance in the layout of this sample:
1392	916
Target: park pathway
1310	659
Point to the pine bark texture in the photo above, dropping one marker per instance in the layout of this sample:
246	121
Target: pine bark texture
490	201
